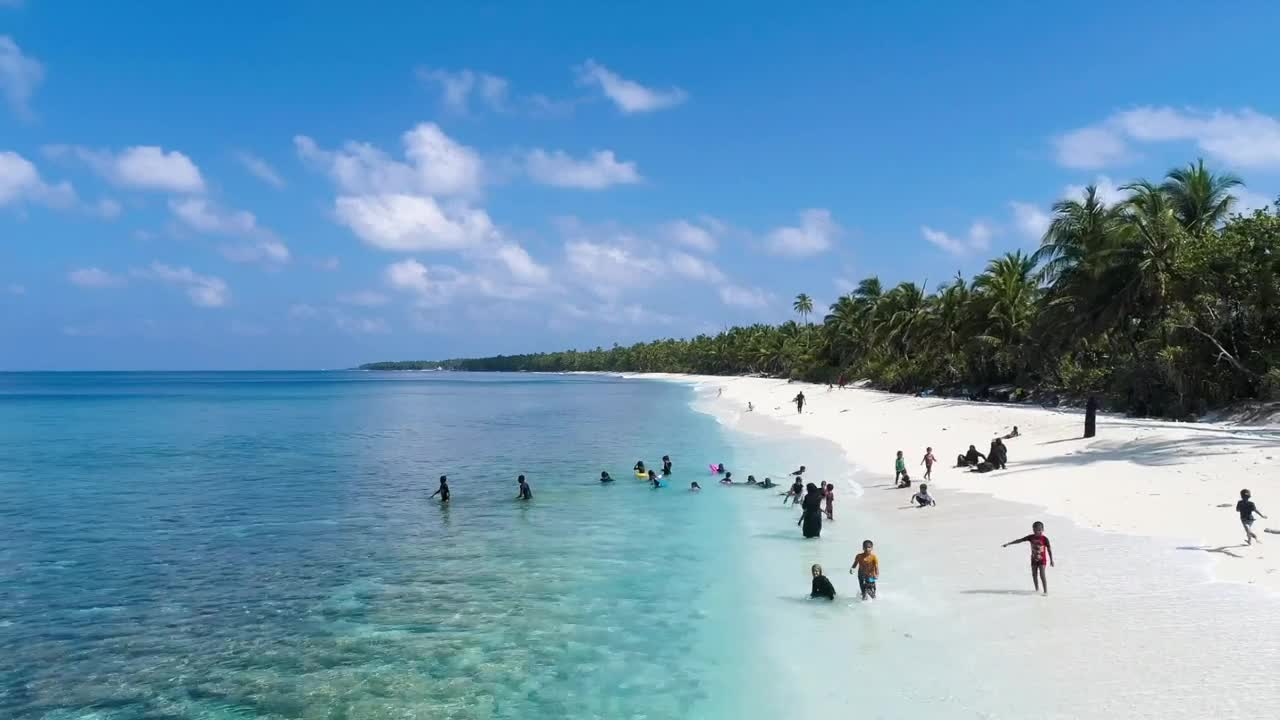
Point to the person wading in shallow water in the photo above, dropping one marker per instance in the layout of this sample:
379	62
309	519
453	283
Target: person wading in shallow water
443	492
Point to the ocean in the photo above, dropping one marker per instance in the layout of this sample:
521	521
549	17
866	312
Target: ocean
215	546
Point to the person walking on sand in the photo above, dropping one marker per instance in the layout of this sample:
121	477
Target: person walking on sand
928	462
799	401
830	496
1247	510
867	566
899	467
443	491
1041	554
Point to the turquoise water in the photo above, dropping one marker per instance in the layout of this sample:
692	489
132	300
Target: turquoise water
261	545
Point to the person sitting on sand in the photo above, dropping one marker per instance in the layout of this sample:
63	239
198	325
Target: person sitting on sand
1247	509
922	497
998	455
1041	552
605	477
904	481
526	493
1012	433
970	458
695	487
867	566
443	491
822	587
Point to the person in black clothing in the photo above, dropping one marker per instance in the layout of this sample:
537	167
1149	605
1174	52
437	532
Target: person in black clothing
970	458
605	478
443	492
639	468
799	401
822	587
666	464
525	492
1247	509
796	493
998	454
811	517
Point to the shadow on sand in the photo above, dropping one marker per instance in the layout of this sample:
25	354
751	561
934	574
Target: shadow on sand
1224	550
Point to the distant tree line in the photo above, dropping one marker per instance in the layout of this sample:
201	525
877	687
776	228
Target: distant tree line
1166	303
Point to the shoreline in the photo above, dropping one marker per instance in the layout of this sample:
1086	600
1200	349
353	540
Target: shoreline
1155	479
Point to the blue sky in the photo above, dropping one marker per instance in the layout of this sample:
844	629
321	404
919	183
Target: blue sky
314	185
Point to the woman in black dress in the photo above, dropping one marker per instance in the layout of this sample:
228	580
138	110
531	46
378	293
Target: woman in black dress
811	518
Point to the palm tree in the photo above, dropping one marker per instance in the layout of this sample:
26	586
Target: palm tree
803	306
1201	200
1080	229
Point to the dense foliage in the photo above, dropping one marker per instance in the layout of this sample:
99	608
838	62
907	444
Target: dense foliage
1162	304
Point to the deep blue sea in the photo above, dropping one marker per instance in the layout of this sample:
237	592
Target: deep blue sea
262	545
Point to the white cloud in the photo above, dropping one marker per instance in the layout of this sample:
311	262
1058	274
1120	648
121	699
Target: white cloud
598	171
520	264
409	275
202	290
20	181
92	277
143	167
437	165
694	268
610	269
364	298
629	96
20	75
1244	138
203	216
1108	191
409	223
815	234
458	87
751	298
703	236
1247	201
1090	147
260	169
1030	220
977	239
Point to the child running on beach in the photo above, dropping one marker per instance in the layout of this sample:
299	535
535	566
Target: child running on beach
928	462
899	467
868	569
1041	553
1247	509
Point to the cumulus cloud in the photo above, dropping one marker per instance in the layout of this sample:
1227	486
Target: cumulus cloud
815	234
977	239
437	165
694	268
260	169
745	297
410	223
20	181
608	269
599	170
1108	191
459	87
703	236
1030	220
203	216
92	277
1241	138
142	167
202	290
629	96
20	75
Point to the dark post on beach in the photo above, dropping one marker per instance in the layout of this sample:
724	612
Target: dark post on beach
1091	417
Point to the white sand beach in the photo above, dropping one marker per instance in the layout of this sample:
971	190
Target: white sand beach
1177	482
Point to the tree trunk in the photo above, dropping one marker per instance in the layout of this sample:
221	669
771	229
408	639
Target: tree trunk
1091	417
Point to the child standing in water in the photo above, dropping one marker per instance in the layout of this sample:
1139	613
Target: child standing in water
830	496
928	462
525	492
443	492
822	587
867	566
1041	554
1245	507
899	467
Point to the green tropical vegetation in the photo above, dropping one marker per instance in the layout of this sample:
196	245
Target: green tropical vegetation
1166	303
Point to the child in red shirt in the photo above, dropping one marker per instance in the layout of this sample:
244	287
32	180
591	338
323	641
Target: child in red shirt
1041	554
